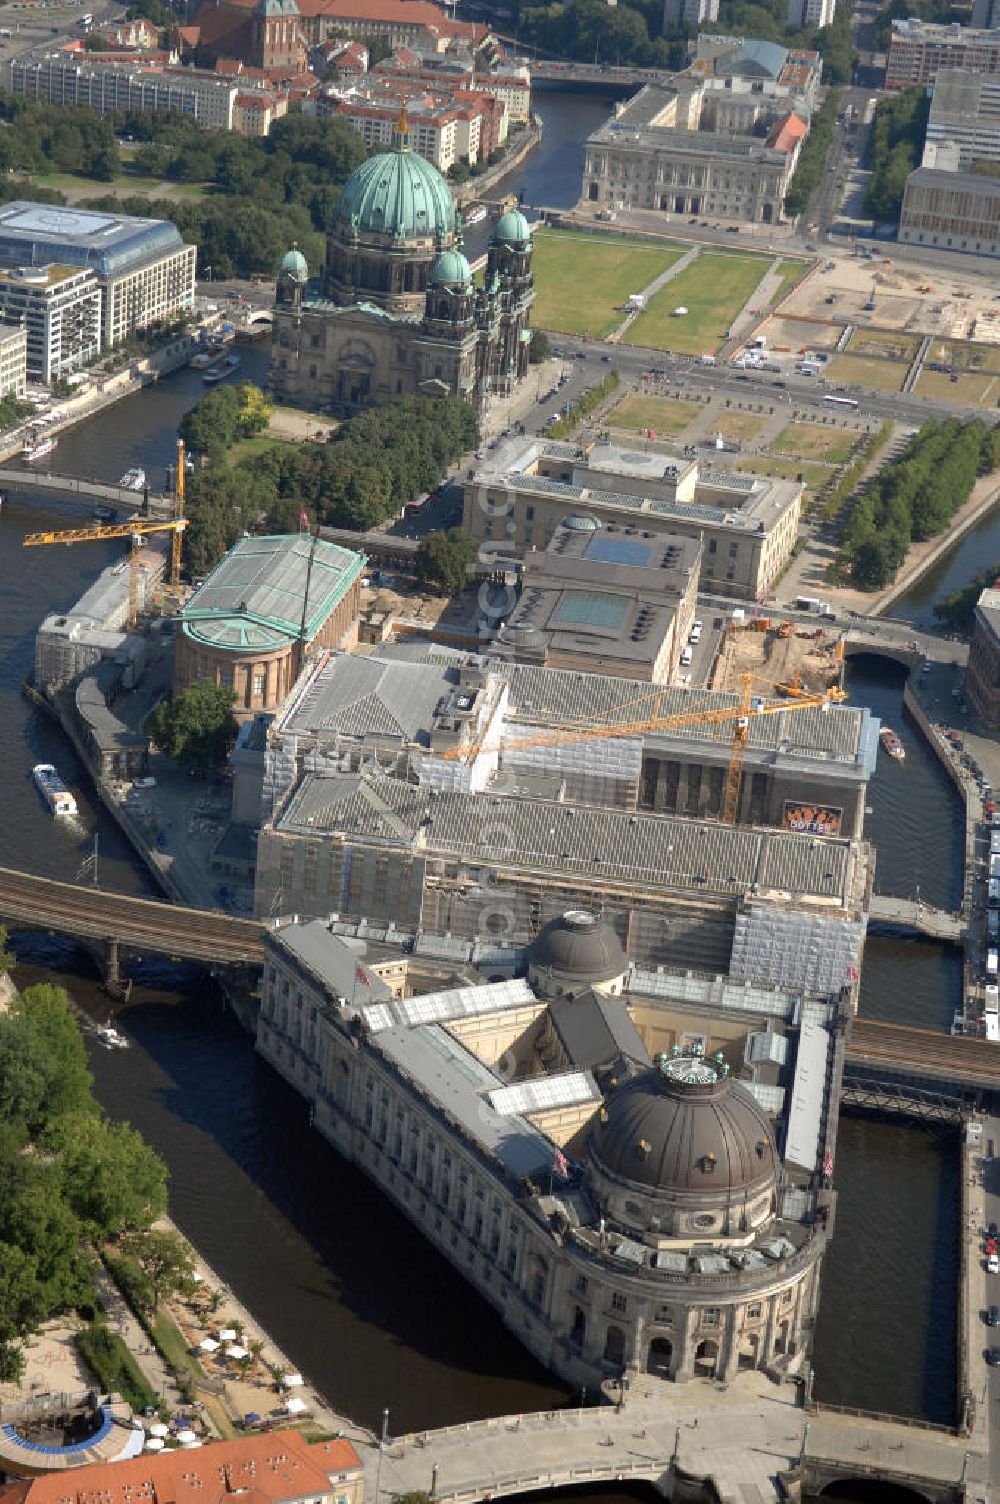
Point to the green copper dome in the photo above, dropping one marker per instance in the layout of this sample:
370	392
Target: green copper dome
513	227
397	193
451	269
293	264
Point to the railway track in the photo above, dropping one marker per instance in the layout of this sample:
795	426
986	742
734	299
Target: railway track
940	1057
140	924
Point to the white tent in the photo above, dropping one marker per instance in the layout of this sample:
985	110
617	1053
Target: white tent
293	1381
680	312
208	1345
228	1334
236	1351
186	1436
158	1429
189	1446
155	1444
294	1406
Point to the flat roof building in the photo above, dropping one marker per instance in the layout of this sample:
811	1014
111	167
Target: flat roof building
957	211
250	625
983	675
965	114
528	486
918	49
13	360
59	309
142	269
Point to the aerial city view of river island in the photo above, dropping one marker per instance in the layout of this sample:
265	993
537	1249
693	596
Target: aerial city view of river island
500	717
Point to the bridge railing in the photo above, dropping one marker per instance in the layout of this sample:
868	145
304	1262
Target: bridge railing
495	1423
520	1483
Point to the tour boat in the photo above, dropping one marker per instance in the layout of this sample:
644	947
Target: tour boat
111	1039
891	742
36	449
476	216
134	478
222	369
103	514
55	793
200	361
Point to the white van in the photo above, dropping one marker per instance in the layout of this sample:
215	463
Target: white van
687	657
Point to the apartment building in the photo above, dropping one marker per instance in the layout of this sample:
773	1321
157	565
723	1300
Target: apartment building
811	12
918	49
13	360
59	311
688	12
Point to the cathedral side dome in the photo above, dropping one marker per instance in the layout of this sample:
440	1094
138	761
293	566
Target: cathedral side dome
397	194
685	1126
580	947
293	264
513	228
451	269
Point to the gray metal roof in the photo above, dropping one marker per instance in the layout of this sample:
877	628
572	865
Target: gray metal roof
658	851
595	1031
360	696
36	234
336	963
805	1114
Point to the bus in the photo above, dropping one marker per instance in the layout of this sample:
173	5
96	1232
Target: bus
992	995
992	962
841	401
993	1028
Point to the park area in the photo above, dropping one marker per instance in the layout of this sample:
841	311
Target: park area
664	415
583	282
816	441
75	189
713	288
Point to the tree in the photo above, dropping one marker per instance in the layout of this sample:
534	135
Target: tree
197	727
94	41
7	958
112	1179
540	349
443	558
164	1258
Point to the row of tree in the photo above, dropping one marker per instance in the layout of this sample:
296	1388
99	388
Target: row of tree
264	191
914	498
67	1174
894	148
812	158
371	466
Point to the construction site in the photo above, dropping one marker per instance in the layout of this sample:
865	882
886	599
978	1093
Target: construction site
779	655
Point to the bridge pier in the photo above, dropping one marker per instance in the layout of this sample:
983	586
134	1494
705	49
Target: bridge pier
116	984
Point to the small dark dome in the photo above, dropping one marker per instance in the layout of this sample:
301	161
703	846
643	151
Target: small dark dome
685	1126
579	945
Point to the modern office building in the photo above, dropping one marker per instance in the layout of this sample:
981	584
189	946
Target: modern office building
520	494
918	49
13	360
270	602
688	12
396	312
632	1168
141	269
982	682
811	12
59	309
953	210
964	114
679	150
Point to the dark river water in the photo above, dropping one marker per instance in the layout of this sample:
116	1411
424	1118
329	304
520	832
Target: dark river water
344	1284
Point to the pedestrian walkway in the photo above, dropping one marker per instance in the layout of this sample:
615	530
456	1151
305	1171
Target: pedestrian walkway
151	1365
650	291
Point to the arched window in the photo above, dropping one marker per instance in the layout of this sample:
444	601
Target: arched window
614	1346
578	1331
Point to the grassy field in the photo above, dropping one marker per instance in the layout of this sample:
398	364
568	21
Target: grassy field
789	272
663	415
964	357
979	389
713	289
249	448
884	342
814	475
868	370
582	282
815	441
737	425
124	186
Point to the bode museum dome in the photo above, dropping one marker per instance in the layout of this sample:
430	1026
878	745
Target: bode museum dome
395	312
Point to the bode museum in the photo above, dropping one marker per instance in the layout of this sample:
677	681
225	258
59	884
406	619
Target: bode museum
395	312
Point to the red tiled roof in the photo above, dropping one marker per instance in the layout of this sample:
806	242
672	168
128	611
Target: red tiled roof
263	1469
786	133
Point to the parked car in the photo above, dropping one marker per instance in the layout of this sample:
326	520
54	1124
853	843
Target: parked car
993	1357
993	1316
993	1264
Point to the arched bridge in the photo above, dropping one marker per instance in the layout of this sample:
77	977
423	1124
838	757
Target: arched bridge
139	924
740	1437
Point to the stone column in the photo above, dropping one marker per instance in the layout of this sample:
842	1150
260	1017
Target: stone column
685	1347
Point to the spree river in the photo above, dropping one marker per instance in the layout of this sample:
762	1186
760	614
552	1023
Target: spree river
344	1284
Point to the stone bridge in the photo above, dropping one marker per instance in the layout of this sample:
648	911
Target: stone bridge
735	1439
902	643
910	914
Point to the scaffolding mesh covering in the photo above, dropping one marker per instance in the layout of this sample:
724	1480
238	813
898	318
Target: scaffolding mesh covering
788	948
713	992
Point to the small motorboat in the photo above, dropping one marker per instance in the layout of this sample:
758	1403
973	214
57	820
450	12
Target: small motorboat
891	743
111	1039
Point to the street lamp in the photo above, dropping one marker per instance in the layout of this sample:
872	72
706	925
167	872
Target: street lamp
381	1449
208	274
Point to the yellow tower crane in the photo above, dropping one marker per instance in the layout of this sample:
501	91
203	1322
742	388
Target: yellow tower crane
741	715
135	530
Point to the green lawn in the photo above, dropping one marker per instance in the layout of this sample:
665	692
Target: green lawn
789	272
814	475
734	425
583	282
868	370
663	415
815	441
247	449
884	342
713	289
976	389
125	185
964	356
